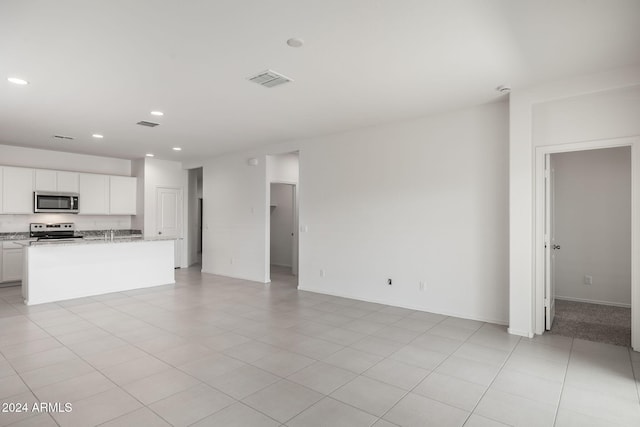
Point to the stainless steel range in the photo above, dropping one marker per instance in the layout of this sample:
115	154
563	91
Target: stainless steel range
54	232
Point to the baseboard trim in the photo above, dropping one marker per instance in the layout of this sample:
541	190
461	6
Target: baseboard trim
527	334
248	279
410	307
590	301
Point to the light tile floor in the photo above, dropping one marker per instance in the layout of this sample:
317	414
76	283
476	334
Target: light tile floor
215	351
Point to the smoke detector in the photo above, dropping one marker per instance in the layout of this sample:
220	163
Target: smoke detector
269	78
295	42
504	89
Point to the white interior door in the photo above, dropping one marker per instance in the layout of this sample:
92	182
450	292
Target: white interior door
169	216
550	244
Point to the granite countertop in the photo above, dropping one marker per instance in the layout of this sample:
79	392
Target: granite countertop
15	236
100	233
87	234
97	241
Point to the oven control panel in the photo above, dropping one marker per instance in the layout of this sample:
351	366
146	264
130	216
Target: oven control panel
63	226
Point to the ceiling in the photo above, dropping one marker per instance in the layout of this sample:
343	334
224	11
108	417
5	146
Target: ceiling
102	66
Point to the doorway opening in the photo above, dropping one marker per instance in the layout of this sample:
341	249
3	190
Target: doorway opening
586	273
588	254
195	212
283	233
282	245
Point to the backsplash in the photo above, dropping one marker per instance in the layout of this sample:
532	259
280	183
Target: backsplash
20	223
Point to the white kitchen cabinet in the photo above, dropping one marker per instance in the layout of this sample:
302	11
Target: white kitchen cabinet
68	182
12	255
45	180
17	190
94	194
59	181
122	195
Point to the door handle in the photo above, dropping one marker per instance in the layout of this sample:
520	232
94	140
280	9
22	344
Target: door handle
555	246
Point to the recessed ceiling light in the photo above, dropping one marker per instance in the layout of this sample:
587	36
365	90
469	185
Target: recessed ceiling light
177	149
17	81
97	136
295	42
149	154
157	113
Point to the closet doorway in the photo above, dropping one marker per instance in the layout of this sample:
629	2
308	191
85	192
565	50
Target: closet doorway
590	236
588	244
284	236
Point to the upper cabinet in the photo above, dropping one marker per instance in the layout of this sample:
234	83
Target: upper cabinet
94	194
122	195
68	182
59	181
17	190
46	180
99	194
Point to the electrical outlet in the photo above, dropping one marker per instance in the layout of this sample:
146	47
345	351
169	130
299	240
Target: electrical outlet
389	282
322	273
421	286
588	280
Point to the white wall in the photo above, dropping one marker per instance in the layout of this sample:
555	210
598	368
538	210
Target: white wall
46	159
424	200
418	201
283	168
578	109
600	115
235	217
282	223
593	225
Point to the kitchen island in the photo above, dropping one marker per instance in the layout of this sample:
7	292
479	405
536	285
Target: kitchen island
67	270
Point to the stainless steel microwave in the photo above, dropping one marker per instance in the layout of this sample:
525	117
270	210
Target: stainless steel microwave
55	202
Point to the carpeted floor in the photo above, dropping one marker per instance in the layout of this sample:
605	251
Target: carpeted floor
593	322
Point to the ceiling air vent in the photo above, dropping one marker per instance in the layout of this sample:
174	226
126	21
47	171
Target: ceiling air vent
66	138
147	124
270	78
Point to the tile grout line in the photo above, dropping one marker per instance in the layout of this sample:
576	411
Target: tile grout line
22	379
433	370
564	382
325	396
109	379
492	381
636	375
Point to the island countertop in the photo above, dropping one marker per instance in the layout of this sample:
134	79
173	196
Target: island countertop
66	270
95	240
87	234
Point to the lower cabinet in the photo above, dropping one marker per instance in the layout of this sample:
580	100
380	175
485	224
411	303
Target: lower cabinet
11	269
